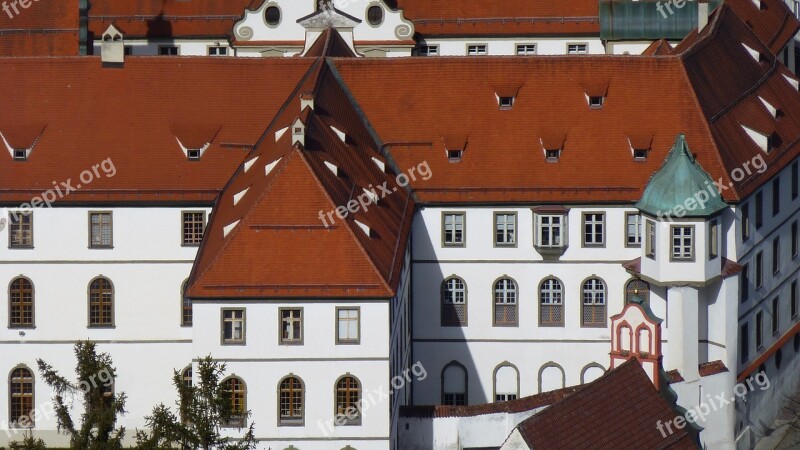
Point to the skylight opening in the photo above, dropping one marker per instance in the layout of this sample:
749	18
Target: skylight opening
596	101
506	102
455	156
552	155
639	154
193	154
20	155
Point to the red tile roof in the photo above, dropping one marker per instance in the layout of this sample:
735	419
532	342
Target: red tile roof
512	406
659	47
280	213
42	29
618	410
168	18
773	23
135	116
502	18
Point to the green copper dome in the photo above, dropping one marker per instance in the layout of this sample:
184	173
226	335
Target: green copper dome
681	182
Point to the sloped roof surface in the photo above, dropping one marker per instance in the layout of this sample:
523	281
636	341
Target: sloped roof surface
43	29
618	410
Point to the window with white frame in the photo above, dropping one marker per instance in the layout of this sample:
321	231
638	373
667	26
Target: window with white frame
551	299
217	51
505	302
594	303
454	302
633	230
551	230
576	49
506	383
505	226
453	229
593	229
428	50
526	49
476	50
650	239
682	243
713	239
347	326
291	325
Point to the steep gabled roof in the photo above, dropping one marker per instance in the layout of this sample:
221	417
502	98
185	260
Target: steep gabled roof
330	43
618	410
658	48
502	18
772	21
273	233
80	114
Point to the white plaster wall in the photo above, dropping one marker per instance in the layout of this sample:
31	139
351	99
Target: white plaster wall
508	46
718	424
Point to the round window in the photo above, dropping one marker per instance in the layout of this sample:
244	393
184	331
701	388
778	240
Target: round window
273	15
375	15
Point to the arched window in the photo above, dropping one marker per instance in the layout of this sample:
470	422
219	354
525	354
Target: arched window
235	387
506	383
454	302
551	377
20	295
348	396
505	302
551	303
186	377
101	303
20	393
290	401
186	308
637	289
454	384
594	303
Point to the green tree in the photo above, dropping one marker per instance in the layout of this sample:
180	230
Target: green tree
95	384
28	443
203	410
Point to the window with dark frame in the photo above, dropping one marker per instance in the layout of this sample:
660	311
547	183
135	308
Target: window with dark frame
505	302
168	50
194	223
21	303
795	238
744	343
552	154
186	307
348	396
272	15
233	326
640	154
291	326
454	385
20	154
217	51
759	281
759	330
776	255
775	315
454	155
744	286
428	50
506	102
795	180
100	230
759	209
21	412
20	229
650	236
101	303
237	392
454	303
551	299
453	229
745	221
793	299
375	15
594	303
776	196
596	101
637	288
291	401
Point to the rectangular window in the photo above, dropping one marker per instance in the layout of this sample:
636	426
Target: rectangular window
795	180
633	230
744	341
795	242
682	243
454	399
744	280
759	269
233	326
217	51
776	196
776	255
759	330
291	325
759	209
504	397
593	229
347	326
100	230
168	50
128	50
713	239
194	222
526	49
551	231
505	229
775	315
745	222
453	229
650	243
476	50
793	299
20	229
428	50
576	49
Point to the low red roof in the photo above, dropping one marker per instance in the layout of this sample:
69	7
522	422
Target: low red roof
523	404
42	29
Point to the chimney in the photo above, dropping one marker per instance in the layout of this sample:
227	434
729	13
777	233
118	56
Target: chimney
112	48
306	99
702	14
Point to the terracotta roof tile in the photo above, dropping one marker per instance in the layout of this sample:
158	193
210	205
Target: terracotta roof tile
660	47
42	29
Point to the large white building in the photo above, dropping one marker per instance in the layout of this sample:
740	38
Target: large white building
383	232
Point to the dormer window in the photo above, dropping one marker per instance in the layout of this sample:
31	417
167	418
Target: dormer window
552	155
506	102
639	154
454	155
193	154
596	102
20	155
